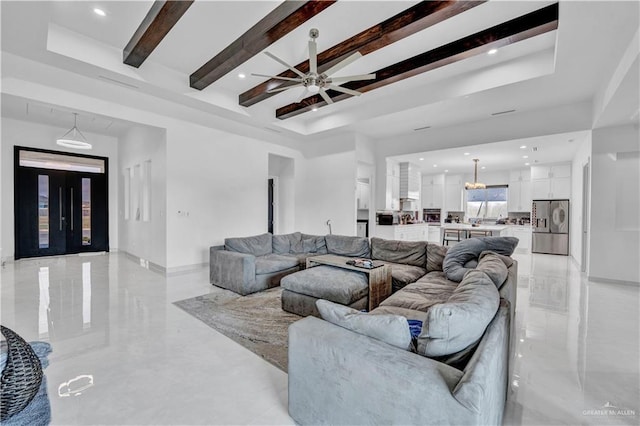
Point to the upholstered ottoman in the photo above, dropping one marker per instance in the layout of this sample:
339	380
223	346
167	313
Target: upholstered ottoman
302	289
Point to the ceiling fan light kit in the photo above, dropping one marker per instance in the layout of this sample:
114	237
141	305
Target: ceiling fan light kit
74	138
314	83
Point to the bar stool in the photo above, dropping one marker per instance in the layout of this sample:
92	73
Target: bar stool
451	235
473	233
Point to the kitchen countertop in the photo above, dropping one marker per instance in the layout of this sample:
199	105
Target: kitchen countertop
468	227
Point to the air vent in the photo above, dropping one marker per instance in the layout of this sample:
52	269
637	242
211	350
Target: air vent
534	149
121	83
422	128
504	112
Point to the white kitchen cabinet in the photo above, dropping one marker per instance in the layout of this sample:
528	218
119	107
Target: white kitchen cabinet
392	194
415	232
433	234
523	234
551	182
519	191
432	191
363	195
453	193
409	181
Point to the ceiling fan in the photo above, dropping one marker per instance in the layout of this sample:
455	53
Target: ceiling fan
318	83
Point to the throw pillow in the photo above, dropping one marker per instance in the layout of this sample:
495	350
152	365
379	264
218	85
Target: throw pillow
257	245
494	266
412	253
469	249
460	322
321	245
435	256
343	245
309	246
391	329
282	243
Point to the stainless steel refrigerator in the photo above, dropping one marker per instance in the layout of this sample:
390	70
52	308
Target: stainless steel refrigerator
550	223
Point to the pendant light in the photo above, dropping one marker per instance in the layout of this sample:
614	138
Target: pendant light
475	184
73	138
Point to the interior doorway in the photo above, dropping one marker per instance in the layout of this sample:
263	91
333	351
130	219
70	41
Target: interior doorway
60	203
585	218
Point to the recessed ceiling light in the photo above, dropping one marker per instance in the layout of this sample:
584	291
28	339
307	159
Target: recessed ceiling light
435	165
523	147
492	52
241	75
483	167
525	156
421	159
526	164
99	12
466	153
314	109
446	171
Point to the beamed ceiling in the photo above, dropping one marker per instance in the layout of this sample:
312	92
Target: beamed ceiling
430	58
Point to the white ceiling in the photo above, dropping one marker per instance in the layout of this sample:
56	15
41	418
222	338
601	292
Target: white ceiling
559	68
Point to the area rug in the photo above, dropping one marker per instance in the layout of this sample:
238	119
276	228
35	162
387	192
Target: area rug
256	321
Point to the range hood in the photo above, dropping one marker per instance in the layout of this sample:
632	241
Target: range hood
409	182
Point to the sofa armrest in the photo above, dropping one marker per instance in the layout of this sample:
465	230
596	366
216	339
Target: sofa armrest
232	270
337	376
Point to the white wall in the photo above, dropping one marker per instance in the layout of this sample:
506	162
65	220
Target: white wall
615	199
326	187
33	135
144	239
283	170
581	158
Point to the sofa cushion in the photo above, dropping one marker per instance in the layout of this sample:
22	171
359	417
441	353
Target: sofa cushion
402	274
271	263
412	253
435	256
321	244
391	329
469	249
420	296
343	245
257	245
460	322
282	243
495	266
328	282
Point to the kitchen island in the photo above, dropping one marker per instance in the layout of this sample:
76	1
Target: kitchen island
409	232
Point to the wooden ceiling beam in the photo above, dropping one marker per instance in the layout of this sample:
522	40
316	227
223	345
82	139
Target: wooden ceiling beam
162	16
404	24
282	20
532	24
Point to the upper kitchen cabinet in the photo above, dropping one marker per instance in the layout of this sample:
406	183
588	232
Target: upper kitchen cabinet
454	185
392	194
519	191
551	182
433	191
363	195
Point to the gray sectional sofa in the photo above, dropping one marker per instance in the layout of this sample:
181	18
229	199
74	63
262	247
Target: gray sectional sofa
363	368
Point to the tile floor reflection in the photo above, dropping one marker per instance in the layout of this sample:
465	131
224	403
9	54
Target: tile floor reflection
124	354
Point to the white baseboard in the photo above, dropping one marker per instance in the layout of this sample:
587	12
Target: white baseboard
610	281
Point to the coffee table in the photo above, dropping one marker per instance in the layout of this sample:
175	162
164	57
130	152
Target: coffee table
379	276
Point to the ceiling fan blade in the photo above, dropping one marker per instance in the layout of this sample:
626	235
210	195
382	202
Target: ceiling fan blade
344	90
313	57
275	58
281	89
352	78
277	77
337	67
326	97
302	95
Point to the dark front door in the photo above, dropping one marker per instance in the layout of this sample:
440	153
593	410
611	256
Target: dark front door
270	206
59	212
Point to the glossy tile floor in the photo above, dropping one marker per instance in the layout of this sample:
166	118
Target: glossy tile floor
124	354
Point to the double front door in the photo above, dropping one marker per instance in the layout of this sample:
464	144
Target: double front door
60	212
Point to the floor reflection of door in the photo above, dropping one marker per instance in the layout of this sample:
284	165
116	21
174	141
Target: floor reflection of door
60	204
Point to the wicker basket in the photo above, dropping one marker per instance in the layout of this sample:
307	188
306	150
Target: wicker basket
21	376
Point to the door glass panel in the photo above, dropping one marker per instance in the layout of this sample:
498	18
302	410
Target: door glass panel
43	211
86	211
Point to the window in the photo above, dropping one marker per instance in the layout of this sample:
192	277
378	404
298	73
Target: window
489	203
